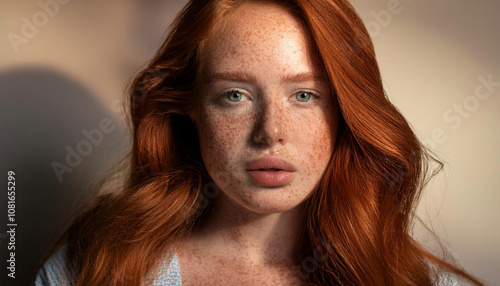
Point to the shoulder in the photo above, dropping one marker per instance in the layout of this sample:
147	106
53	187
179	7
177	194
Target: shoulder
167	273
451	279
56	271
442	277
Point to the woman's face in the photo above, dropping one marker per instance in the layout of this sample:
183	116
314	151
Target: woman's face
265	97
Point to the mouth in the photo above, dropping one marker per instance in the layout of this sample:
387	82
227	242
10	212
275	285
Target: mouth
271	171
270	163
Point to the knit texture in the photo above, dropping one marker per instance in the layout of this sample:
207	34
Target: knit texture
55	271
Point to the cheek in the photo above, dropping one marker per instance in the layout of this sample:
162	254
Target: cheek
315	143
222	139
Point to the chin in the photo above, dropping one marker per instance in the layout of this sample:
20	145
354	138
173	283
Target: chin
271	201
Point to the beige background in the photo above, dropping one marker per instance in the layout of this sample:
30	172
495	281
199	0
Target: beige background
70	74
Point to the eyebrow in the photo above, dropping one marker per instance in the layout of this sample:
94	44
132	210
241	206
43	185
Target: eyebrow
245	77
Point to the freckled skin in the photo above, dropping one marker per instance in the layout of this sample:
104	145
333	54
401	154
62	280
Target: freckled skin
248	237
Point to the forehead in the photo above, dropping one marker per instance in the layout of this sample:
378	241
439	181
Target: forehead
263	36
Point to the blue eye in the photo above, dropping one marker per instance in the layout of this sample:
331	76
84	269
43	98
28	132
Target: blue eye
303	96
234	95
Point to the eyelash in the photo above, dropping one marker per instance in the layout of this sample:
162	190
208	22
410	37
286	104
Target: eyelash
223	95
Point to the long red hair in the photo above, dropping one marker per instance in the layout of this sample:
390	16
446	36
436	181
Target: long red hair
358	221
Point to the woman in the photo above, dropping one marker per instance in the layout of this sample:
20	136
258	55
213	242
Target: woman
264	152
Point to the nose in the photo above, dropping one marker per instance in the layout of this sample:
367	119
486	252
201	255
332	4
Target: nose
269	128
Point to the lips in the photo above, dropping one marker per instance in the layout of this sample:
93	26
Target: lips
270	164
270	172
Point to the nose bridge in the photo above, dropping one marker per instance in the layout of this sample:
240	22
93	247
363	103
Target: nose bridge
269	123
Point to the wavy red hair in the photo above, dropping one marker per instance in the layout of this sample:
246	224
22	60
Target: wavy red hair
358	221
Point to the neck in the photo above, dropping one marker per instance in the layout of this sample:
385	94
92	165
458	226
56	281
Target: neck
237	233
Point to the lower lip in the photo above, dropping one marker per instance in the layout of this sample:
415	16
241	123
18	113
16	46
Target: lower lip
271	178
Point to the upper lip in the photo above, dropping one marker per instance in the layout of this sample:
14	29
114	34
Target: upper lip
270	163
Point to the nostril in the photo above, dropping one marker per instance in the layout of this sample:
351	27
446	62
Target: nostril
266	133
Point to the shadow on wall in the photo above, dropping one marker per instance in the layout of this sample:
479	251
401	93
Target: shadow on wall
59	141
